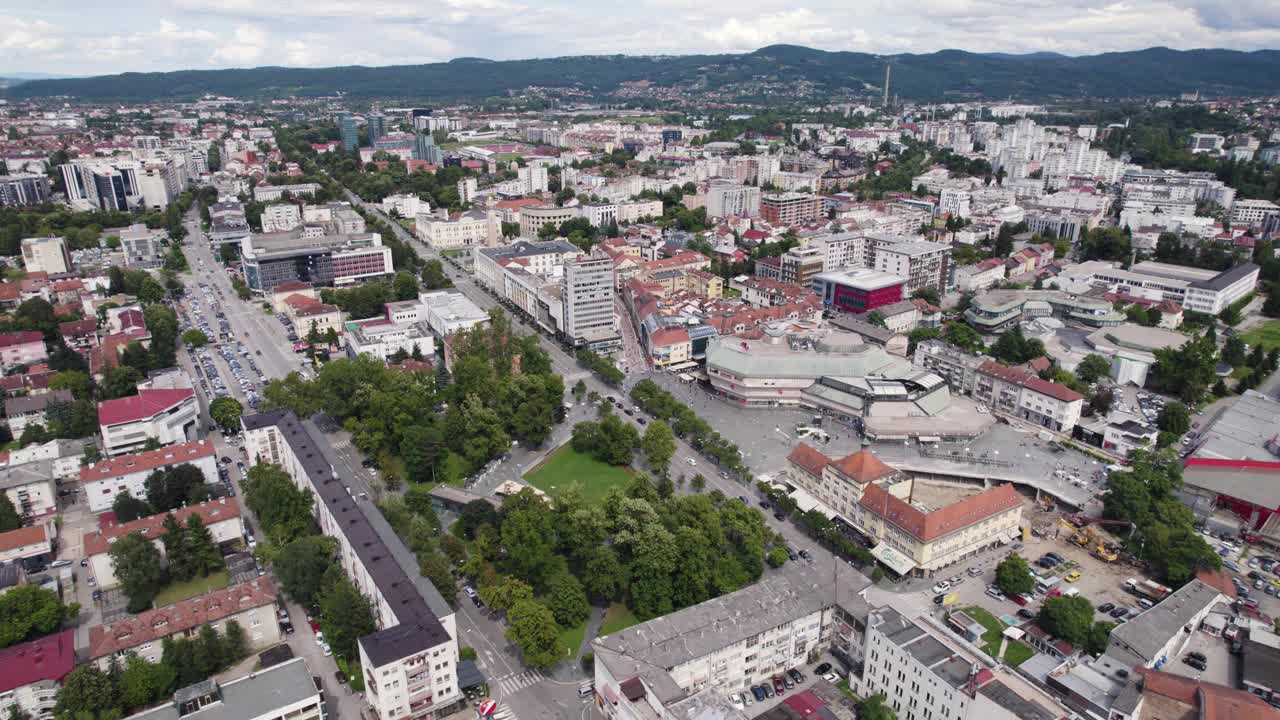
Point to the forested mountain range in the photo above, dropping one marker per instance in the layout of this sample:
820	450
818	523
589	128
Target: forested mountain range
948	74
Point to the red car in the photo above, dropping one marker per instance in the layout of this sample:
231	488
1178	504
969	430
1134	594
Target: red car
778	685
1020	600
315	627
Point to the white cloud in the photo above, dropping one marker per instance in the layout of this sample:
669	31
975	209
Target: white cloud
19	36
248	43
312	33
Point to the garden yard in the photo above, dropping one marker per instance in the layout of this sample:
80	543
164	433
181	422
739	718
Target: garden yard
178	591
566	468
617	617
1267	334
1015	654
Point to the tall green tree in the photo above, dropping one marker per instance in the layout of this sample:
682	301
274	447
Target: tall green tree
29	611
200	549
659	445
9	517
283	508
87	692
226	412
128	508
345	614
301	566
1093	368
1070	618
567	600
1013	577
136	563
532	627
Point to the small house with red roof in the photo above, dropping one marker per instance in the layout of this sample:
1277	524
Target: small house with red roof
31	673
168	416
21	347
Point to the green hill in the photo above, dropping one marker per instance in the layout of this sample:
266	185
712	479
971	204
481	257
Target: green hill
948	74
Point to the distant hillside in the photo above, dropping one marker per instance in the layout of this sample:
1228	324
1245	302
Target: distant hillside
952	74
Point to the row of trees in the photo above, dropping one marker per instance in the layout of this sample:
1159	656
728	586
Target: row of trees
685	423
367	300
1163	536
602	366
89	692
654	550
305	561
442	427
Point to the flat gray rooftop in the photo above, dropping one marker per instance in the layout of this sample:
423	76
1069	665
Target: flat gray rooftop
251	696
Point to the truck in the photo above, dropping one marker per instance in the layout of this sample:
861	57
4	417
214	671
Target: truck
1149	589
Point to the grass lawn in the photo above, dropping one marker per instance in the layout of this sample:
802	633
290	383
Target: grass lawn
617	617
571	639
566	468
1267	334
1015	654
173	592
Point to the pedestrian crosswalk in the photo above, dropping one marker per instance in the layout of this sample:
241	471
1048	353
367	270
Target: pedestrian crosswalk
503	713
518	681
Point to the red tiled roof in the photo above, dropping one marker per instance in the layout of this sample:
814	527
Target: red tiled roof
929	526
809	458
9	291
863	467
64	285
20	337
1053	390
668	336
1215	702
1017	376
1218	580
146	404
22	537
315	308
48	658
147	460
290	286
79	327
152	526
1227	462
134	630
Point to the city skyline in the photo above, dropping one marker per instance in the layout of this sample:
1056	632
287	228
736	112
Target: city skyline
148	36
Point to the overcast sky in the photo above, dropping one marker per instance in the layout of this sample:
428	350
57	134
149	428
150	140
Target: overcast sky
83	38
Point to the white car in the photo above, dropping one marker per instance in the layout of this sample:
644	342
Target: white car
941	587
691	461
736	699
324	647
831	678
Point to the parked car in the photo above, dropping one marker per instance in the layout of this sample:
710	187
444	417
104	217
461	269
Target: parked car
796	675
942	587
1106	607
822	669
1119	612
779	687
759	693
1025	614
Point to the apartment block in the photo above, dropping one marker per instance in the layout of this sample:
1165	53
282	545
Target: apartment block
790	208
410	661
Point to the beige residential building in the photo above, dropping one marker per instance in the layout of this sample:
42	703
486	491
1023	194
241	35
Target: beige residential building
920	527
46	254
251	604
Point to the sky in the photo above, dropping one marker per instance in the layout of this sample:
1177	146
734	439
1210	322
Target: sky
84	38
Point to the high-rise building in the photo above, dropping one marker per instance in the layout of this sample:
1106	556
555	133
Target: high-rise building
347	128
377	123
790	208
425	148
26	189
727	199
588	302
103	185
